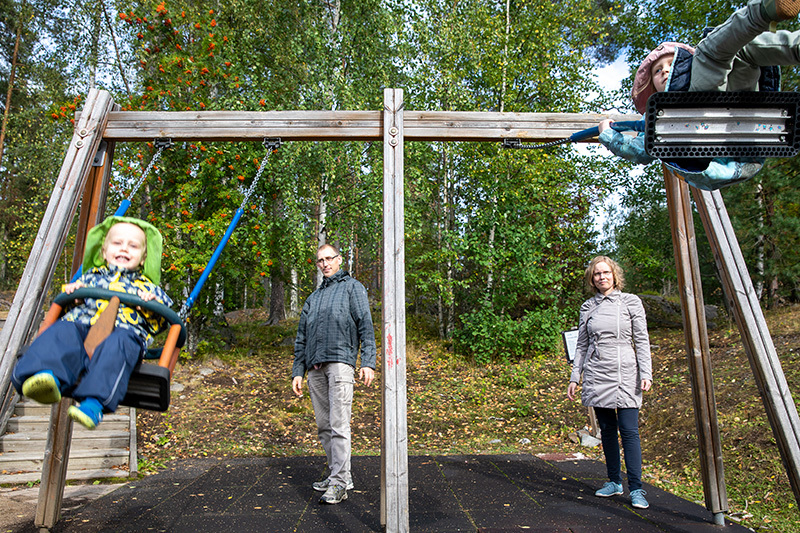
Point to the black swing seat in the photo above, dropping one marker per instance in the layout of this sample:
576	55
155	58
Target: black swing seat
686	125
149	385
148	388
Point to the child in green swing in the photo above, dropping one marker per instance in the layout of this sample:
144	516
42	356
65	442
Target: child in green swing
738	55
122	254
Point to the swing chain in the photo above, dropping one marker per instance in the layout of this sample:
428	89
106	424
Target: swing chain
516	144
184	312
271	145
161	145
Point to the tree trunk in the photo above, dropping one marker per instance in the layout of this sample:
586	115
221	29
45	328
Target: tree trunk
277	303
322	232
7	110
294	298
265	284
493	229
771	279
94	53
445	301
760	239
219	298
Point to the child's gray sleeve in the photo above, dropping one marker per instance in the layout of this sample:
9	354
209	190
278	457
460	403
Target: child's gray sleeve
625	146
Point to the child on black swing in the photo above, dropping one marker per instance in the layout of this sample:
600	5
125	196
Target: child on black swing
122	254
738	55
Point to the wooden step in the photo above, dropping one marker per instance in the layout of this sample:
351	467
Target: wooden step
78	460
31	424
28	407
100	453
27	477
84	440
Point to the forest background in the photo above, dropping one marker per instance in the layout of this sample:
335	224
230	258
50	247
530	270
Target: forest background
496	241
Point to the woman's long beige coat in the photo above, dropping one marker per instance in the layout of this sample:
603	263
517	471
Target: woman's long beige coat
613	351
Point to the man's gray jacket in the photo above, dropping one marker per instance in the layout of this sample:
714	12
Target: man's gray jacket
334	320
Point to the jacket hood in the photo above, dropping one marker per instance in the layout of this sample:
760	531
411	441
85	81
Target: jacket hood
643	83
93	254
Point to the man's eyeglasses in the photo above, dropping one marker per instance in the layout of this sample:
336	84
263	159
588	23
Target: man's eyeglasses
323	260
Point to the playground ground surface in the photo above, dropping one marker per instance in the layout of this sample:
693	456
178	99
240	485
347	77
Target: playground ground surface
484	493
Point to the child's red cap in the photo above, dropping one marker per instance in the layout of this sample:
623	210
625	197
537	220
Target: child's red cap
643	83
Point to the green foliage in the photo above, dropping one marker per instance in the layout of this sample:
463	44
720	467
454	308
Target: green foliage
488	337
766	213
493	237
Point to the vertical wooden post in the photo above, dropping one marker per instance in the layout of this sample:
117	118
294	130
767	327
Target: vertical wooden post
697	350
394	430
743	303
93	203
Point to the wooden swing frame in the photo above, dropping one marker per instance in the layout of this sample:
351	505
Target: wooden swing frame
102	122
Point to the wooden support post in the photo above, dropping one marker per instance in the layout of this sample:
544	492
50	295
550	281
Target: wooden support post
54	467
93	203
394	430
697	350
743	303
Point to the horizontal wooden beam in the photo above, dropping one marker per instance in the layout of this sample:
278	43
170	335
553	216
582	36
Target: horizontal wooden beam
345	125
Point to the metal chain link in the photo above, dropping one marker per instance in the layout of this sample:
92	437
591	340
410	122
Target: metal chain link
515	144
161	145
271	145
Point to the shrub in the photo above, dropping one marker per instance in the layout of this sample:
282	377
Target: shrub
486	336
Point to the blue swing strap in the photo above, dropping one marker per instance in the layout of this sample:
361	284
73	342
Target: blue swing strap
630	125
271	145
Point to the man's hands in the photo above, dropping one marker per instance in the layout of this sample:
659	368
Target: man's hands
367	375
297	386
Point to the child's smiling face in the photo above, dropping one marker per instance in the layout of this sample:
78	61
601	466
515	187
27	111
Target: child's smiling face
659	72
125	246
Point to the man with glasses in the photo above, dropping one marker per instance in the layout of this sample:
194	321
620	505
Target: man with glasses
334	321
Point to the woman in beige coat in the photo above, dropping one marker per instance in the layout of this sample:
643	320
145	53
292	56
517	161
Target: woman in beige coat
613	354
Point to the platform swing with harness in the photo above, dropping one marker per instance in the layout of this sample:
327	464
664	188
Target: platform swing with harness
687	130
149	384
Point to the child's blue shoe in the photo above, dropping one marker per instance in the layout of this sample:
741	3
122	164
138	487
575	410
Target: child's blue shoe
88	414
42	387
